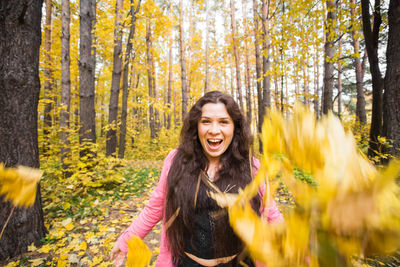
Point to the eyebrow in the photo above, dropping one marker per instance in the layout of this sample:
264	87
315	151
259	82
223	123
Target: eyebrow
221	118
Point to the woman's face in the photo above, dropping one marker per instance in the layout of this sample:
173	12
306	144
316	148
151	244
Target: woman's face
215	129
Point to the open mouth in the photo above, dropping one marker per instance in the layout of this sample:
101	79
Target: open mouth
214	143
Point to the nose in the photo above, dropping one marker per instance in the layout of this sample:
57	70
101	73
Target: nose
214	128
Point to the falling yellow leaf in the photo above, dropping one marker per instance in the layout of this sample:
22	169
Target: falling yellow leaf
19	184
139	255
351	210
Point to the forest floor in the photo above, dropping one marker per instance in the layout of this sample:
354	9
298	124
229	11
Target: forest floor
84	224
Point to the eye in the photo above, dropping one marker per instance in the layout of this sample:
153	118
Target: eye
205	121
225	122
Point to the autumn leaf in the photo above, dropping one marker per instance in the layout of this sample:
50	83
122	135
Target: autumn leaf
139	254
19	184
350	207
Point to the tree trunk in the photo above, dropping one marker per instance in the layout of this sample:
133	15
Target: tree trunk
247	66
170	81
183	62
87	130
20	37
329	52
111	139
371	36
150	78
258	67
266	94
236	54
207	82
391	97
339	82
65	85
360	106
128	51
316	82
48	91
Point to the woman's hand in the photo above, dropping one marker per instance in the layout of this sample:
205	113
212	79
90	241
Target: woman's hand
118	255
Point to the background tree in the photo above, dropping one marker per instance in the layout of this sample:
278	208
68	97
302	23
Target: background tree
20	37
65	85
355	25
371	36
111	141
391	97
48	90
87	68
183	61
329	52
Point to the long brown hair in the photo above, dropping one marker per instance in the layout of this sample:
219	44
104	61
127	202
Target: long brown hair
187	165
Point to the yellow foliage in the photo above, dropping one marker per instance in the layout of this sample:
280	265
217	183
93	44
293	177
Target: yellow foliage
19	184
351	210
139	255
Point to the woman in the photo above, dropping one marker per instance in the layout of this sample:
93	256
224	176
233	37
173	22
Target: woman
214	148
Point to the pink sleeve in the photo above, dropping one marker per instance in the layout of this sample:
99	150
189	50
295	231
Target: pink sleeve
271	213
152	212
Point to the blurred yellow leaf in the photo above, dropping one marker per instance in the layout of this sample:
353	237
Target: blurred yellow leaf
139	255
19	184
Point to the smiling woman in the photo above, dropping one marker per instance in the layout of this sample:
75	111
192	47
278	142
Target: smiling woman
214	152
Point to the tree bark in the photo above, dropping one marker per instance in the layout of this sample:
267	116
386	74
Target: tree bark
258	67
170	81
183	62
48	91
391	97
87	130
371	36
65	85
128	51
339	82
20	37
207	82
150	78
247	66
236	54
266	88
111	139
329	52
360	105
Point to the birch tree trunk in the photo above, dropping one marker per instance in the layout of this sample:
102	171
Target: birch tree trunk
65	85
329	52
20	37
111	137
87	130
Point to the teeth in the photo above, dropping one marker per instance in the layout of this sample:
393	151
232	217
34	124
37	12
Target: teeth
214	141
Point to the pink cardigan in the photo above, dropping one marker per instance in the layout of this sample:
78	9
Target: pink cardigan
153	213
